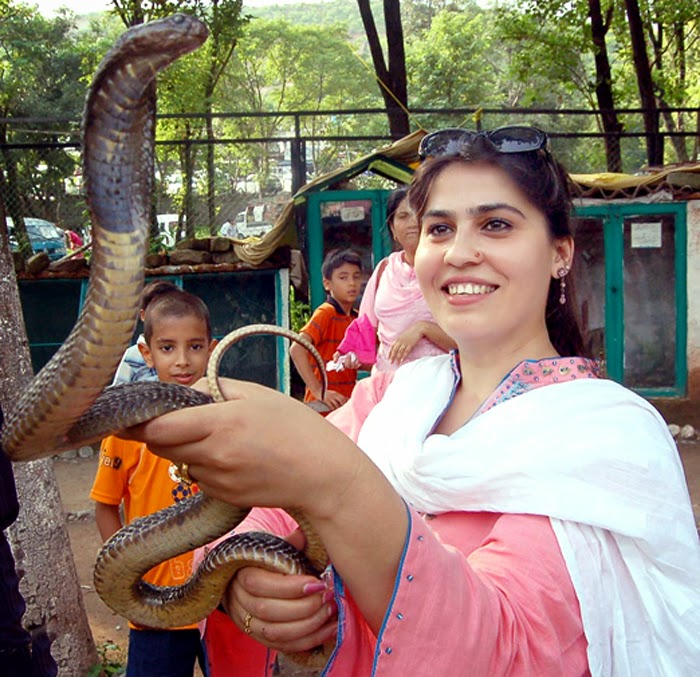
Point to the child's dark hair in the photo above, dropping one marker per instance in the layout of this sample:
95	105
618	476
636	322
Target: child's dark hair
155	289
336	258
175	304
544	182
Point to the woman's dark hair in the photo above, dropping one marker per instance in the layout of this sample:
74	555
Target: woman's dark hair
395	198
545	183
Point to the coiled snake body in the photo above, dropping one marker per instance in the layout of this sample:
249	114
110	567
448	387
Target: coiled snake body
65	404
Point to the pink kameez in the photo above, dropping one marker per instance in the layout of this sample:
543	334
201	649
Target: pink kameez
477	593
393	306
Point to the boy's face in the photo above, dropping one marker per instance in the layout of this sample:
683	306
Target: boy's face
344	285
179	349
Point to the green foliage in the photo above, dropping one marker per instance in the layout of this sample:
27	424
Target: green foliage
112	661
319	13
157	245
280	66
460	53
452	64
299	312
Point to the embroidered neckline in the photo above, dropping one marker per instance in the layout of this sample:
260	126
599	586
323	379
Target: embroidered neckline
531	374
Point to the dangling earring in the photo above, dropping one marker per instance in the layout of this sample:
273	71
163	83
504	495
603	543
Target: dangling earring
562	273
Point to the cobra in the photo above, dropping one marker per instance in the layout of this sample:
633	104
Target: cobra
68	402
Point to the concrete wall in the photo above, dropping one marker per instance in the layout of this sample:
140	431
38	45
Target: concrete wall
693	352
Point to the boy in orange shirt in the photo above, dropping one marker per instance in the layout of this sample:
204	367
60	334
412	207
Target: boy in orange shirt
177	329
342	280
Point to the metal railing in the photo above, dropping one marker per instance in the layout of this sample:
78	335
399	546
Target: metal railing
40	156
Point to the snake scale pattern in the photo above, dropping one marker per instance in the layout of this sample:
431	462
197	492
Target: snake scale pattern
68	402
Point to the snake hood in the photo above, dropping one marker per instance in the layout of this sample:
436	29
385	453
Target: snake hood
118	142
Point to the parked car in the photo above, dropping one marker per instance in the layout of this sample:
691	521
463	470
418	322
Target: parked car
44	236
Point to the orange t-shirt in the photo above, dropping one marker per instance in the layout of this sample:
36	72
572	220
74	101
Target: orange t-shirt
129	473
327	328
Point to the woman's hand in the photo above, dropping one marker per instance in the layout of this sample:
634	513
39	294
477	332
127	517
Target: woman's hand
259	448
262	448
405	343
286	613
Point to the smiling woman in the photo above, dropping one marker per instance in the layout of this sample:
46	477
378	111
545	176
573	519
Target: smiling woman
394	321
493	518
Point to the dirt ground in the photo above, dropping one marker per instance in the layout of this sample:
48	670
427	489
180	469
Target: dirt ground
75	477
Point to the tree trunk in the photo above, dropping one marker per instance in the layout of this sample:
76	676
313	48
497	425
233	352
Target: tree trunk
603	86
657	43
392	77
211	175
645	84
678	142
187	155
55	615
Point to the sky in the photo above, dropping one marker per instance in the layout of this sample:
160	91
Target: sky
49	7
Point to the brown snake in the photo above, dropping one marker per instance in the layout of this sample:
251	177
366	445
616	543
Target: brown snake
68	402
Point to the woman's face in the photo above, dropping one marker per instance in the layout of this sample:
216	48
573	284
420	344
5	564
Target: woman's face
405	227
486	258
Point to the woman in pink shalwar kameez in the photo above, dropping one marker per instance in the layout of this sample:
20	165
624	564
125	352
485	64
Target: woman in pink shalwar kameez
506	511
393	305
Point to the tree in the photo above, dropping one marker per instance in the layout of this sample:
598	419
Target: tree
450	64
278	66
55	612
55	615
225	24
390	70
39	76
603	83
645	84
224	19
633	55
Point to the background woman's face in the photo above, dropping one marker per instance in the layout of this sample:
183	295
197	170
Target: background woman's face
405	227
485	258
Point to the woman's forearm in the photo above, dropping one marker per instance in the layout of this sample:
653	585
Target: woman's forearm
364	530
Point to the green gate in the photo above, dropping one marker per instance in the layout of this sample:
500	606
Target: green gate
631	277
345	218
234	299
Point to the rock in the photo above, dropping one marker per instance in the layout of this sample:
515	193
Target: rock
86	452
201	244
687	433
186	243
189	256
225	257
37	263
675	430
18	261
68	265
155	260
71	453
220	244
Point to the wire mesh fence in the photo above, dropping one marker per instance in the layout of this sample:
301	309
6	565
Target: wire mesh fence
236	170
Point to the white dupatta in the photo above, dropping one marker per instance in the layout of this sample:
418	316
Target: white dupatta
599	462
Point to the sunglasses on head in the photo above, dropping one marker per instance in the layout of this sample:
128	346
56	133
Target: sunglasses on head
451	141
